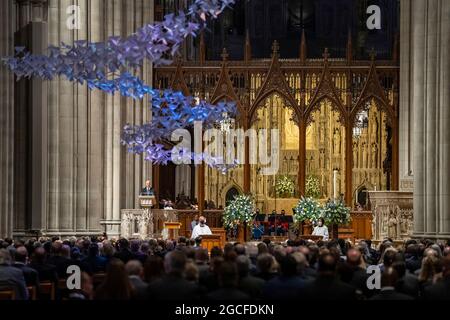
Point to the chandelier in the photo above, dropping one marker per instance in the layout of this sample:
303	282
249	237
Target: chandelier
361	123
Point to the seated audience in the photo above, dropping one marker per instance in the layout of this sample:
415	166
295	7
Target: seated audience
12	278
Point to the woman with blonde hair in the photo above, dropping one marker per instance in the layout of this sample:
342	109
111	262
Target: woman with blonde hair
431	268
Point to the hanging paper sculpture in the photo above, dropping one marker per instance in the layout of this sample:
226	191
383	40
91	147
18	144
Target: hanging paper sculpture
109	67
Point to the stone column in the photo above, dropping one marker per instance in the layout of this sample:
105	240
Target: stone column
428	82
7	25
124	173
30	108
443	79
406	96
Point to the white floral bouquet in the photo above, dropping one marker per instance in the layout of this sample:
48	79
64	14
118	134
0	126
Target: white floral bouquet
284	186
335	212
307	209
239	210
312	187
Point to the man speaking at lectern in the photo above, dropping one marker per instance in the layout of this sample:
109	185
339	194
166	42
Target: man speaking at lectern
147	190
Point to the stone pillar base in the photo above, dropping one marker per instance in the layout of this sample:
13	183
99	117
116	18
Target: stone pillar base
111	227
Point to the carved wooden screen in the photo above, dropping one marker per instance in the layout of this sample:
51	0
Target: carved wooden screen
324	97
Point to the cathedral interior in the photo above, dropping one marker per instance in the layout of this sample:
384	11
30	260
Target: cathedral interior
358	111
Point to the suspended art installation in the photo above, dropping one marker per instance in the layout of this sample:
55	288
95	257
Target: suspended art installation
109	67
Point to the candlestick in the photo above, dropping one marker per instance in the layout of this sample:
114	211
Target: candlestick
335	184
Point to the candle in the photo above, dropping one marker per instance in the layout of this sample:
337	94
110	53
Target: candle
335	184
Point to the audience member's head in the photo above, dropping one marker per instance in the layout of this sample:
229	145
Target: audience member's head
5	257
354	257
39	255
239	249
228	275
191	272
174	263
327	265
243	265
134	268
116	285
389	278
288	266
21	255
216	252
265	263
153	268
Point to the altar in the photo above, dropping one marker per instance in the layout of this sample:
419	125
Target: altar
148	222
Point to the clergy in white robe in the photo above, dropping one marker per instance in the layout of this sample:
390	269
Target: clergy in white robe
321	230
201	228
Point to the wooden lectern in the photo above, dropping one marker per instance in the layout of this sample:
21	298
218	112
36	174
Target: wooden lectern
311	237
210	241
172	228
147	202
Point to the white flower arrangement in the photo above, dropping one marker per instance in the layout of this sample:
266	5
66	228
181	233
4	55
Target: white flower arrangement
312	187
284	186
240	210
335	212
307	209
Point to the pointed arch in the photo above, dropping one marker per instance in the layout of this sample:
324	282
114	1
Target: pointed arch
325	90
372	90
224	90
275	83
178	82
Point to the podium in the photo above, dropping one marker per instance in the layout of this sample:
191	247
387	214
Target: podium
210	241
147	202
172	229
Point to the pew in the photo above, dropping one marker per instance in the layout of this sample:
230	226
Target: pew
7	294
47	289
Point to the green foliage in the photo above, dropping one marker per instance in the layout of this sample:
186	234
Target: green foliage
336	213
307	209
284	186
240	210
312	187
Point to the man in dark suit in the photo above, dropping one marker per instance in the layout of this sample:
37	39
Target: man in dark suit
440	290
228	285
389	279
173	286
327	286
46	271
56	258
135	272
287	285
147	190
31	275
249	284
11	278
124	252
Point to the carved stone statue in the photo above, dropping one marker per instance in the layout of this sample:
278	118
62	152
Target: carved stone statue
374	155
143	224
392	226
126	225
337	141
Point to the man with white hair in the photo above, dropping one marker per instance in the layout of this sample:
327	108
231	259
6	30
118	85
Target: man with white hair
201	228
135	273
12	278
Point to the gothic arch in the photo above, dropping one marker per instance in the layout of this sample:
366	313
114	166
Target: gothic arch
372	90
230	185
178	82
325	90
335	106
380	104
275	83
261	99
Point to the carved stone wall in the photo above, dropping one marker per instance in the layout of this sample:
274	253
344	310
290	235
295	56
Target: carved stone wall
392	215
145	223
